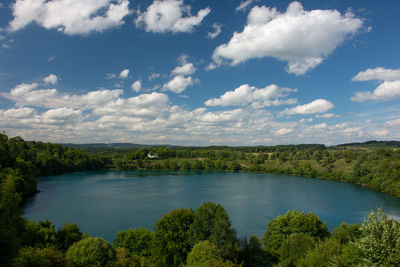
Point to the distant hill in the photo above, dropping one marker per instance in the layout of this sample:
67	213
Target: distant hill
372	144
110	145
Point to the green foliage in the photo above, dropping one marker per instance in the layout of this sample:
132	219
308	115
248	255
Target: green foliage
67	235
201	253
123	259
294	247
280	228
346	233
39	257
172	238
135	241
380	240
252	253
211	222
91	251
41	234
322	254
11	224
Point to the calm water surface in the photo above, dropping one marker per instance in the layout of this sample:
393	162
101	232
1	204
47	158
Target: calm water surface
102	203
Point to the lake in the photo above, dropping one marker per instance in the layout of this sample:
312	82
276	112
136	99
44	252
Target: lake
104	202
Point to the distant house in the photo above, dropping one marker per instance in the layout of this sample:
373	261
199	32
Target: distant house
152	156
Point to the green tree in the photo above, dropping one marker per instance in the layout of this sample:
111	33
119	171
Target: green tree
211	222
91	251
39	257
294	247
323	253
67	235
41	234
252	253
380	240
280	228
346	233
123	259
201	253
11	223
172	238
135	241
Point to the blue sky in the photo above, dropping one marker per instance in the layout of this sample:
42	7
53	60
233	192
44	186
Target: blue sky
186	72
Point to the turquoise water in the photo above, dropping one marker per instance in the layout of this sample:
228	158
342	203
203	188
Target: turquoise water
104	202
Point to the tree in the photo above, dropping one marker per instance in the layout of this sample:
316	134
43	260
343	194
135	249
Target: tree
124	260
67	235
323	253
294	247
380	240
280	228
11	223
135	241
346	233
252	253
91	251
172	238
211	222
39	257
41	234
201	253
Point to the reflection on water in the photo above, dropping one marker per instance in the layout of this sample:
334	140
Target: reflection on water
103	202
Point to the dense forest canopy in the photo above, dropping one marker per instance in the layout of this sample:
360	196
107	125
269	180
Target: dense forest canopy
201	237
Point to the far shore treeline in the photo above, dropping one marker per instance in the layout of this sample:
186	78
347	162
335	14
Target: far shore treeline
201	237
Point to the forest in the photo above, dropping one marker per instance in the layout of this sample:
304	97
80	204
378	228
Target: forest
201	237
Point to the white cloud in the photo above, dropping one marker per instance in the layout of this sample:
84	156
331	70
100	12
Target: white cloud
379	73
178	84
316	106
244	5
137	86
51	79
154	76
284	131
28	95
216	32
78	17
169	16
124	74
326	115
245	94
302	38
185	69
381	132
388	90
391	123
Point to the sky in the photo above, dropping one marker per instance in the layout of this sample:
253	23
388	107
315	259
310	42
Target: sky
200	72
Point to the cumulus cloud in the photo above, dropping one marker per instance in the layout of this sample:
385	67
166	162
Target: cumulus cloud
284	131
29	95
386	91
316	106
379	73
245	94
170	16
326	115
185	69
124	74
51	79
178	84
216	32
389	88
301	38
137	86
154	76
78	17
391	123
244	5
